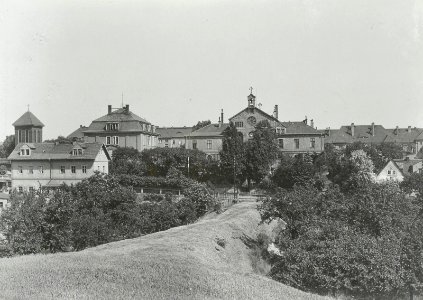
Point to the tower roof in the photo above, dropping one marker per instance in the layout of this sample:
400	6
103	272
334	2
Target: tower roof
28	119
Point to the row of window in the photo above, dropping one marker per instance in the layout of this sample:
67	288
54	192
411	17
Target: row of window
29	136
62	169
209	144
297	143
112	140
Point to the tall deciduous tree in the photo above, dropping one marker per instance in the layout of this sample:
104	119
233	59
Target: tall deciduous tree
127	161
261	152
8	145
200	124
232	155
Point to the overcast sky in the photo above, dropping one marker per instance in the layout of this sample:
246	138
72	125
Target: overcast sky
177	62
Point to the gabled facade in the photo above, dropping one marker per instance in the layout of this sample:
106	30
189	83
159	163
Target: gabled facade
390	172
172	137
37	165
122	128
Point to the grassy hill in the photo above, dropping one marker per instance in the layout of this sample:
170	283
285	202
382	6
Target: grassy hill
180	263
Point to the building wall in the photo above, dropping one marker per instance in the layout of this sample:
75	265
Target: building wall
213	151
390	172
247	128
175	142
28	134
52	171
139	141
289	145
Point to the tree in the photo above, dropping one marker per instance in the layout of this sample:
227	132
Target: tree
8	145
291	171
200	124
127	161
232	155
60	139
361	169
261	152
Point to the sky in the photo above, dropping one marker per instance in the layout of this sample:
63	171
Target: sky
177	62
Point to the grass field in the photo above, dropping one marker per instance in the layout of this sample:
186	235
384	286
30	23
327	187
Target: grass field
180	263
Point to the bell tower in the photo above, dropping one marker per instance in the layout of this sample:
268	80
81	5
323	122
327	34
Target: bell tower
251	99
28	129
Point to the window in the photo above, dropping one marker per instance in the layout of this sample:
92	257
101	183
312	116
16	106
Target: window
79	151
73	169
27	151
20	170
393	172
112	126
239	124
173	142
278	130
1	205
115	140
194	144
280	143
20	189
108	138
31	170
104	169
75	152
389	172
312	143
41	169
84	169
209	144
297	143
62	169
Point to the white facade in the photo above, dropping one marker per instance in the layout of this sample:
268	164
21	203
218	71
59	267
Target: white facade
390	172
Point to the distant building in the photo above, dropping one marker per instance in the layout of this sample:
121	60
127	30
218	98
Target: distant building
390	172
5	175
409	166
172	137
367	134
407	138
122	128
207	139
77	135
28	129
36	165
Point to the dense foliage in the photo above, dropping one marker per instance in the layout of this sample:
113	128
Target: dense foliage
95	211
7	146
365	244
200	124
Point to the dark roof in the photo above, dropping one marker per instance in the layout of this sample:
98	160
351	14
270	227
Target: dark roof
79	133
173	132
121	115
128	122
211	130
402	135
362	133
299	128
46	151
28	119
395	165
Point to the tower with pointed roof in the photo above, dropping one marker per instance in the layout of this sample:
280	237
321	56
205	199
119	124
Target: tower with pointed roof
28	129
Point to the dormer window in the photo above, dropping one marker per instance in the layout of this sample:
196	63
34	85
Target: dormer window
25	151
77	152
112	126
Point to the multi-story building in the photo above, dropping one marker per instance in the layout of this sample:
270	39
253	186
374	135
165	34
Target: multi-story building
122	128
208	139
172	137
37	165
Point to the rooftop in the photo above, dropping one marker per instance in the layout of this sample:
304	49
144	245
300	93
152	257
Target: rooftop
28	119
173	132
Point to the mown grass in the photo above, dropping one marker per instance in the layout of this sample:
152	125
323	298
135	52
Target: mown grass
181	263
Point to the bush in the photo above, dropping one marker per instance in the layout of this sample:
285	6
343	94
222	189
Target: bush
366	244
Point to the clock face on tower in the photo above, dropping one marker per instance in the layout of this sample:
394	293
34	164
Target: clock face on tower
252	120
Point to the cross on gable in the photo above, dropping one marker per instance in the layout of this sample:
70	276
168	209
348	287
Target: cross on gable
251	90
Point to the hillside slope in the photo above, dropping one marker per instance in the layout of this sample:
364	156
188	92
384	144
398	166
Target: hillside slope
180	263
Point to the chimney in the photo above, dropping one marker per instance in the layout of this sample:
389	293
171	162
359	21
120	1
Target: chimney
312	123
221	116
352	129
305	120
220	123
80	126
276	112
109	109
409	129
373	129
396	130
328	131
127	108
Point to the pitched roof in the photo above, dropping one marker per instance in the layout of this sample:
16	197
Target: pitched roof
299	128
211	130
173	132
121	115
78	134
394	164
403	135
362	133
254	110
46	151
28	119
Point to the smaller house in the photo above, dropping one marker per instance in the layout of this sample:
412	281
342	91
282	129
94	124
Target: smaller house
172	137
40	165
208	139
390	172
409	166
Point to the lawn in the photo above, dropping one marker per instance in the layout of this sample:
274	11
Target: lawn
181	263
